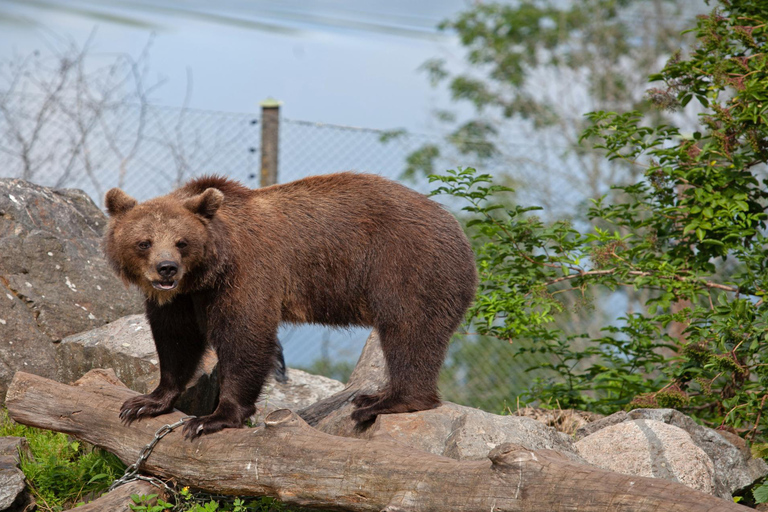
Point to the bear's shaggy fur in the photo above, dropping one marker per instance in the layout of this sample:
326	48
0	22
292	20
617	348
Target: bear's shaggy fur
223	265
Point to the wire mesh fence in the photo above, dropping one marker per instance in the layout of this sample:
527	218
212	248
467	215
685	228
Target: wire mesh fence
146	150
149	150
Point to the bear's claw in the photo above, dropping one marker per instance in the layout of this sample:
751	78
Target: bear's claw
141	407
197	427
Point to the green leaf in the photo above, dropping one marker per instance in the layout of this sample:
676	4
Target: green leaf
95	478
760	493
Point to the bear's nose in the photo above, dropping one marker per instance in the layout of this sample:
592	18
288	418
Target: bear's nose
167	269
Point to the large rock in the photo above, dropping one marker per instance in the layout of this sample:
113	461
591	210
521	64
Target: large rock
652	449
599	424
454	431
735	469
54	281
450	430
125	345
13	497
300	390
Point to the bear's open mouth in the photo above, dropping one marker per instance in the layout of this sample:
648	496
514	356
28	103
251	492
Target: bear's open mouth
165	285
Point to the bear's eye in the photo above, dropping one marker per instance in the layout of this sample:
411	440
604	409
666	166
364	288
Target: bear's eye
146	244
181	244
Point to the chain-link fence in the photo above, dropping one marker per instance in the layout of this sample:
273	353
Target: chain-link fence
146	150
149	150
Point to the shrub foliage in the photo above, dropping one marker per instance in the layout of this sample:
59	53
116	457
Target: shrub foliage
680	253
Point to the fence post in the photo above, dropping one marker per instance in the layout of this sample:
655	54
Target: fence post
270	136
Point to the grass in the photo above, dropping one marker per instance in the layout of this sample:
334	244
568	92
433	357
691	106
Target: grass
189	502
63	472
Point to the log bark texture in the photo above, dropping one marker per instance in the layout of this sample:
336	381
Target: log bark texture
300	465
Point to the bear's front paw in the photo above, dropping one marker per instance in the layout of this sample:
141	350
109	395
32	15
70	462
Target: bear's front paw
196	427
142	407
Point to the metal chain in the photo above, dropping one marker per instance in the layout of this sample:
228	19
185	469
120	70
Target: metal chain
132	472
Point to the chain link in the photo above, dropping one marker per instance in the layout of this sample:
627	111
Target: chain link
177	144
132	472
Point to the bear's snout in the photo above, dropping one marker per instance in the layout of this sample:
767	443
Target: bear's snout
167	269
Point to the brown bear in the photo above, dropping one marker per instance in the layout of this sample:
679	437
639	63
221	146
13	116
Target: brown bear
223	265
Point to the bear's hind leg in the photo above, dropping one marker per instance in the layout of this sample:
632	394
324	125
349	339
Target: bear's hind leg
368	400
414	357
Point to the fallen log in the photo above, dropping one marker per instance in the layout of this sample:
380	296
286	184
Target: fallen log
120	498
289	460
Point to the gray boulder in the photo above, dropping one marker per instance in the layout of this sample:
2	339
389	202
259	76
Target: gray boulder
13	497
652	449
734	467
591	428
54	281
455	431
300	390
125	345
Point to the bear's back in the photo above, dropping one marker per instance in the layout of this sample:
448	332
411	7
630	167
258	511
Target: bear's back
345	240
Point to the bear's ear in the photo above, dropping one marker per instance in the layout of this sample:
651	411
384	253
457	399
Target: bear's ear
118	202
206	204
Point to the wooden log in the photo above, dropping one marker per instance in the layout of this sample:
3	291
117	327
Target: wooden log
302	466
120	498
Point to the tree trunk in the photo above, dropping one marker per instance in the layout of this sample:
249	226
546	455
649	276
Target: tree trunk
288	459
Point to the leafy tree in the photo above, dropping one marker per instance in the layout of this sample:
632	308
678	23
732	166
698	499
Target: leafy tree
530	71
532	68
690	230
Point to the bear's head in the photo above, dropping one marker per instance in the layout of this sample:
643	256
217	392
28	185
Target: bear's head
157	244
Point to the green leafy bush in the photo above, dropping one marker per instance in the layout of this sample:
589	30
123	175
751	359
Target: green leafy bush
681	251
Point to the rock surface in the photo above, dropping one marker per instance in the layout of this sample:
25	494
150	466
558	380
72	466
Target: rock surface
301	389
735	469
54	281
125	345
650	448
591	428
455	431
13	497
450	430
